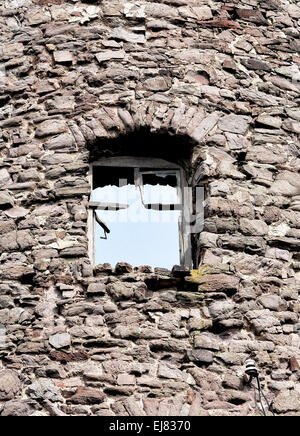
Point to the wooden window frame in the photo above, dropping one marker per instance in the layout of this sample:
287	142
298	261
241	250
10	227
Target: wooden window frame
185	200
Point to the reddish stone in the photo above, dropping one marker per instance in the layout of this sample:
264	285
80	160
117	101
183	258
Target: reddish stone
64	357
85	395
255	64
294	365
105	268
60	356
220	23
229	65
67	280
180	271
146	269
190	396
251	15
48	2
123	268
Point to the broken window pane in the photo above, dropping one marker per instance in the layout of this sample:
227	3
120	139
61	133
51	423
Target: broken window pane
160	188
137	235
123	194
159	178
106	176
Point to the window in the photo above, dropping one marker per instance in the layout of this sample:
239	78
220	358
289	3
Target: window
138	213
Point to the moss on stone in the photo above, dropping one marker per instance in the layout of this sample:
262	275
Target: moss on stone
191	298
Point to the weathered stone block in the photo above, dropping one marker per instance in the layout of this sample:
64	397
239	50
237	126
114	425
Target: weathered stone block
286	401
17	408
158	84
4	177
9	385
122	34
60	340
86	395
44	389
50	127
221	309
234	124
253	227
8	242
200	356
63	57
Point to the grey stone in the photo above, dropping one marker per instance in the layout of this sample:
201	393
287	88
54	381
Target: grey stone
205	342
288	71
269	121
205	127
200	356
8	242
44	389
196	12
168	371
253	227
230	358
134	10
254	64
120	291
108	55
280	385
50	127
284	84
272	302
265	155
293	113
96	288
234	124
61	104
47	85
122	34
262	320
221	308
60	340
17	408
258	98
4	177
63	141
17	212
11	50
14	4
5	200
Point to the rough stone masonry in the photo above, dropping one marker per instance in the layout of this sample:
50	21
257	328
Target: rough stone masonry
223	75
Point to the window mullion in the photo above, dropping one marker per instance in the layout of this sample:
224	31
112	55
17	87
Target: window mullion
98	205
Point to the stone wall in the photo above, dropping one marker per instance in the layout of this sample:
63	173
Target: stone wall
74	77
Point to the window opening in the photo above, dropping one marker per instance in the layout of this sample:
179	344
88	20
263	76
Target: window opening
137	213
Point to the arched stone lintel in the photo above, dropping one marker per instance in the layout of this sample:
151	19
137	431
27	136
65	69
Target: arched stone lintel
109	122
